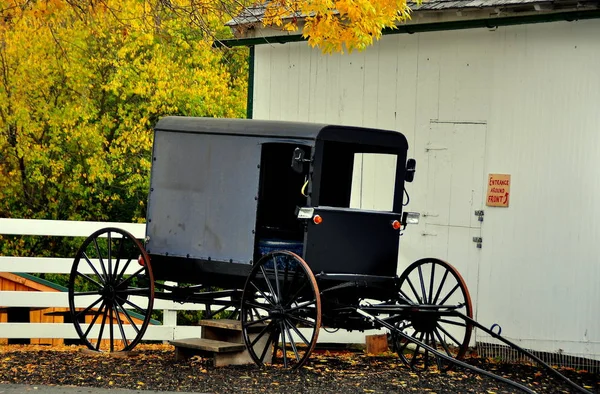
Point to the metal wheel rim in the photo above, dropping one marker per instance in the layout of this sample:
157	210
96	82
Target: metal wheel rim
113	292
273	325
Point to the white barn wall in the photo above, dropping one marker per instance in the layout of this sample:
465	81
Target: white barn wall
534	91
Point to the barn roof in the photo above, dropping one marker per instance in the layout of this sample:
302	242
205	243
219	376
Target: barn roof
283	130
254	14
430	15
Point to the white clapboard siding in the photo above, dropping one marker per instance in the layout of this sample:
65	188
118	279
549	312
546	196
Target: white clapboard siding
533	90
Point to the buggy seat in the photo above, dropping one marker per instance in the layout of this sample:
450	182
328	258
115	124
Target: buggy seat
268	245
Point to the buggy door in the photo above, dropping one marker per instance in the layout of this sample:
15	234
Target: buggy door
352	241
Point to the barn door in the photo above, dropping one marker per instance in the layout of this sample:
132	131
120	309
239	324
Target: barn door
455	190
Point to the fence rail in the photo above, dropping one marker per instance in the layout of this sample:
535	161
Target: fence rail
167	330
52	265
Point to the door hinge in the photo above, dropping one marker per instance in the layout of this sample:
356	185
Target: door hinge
479	241
479	215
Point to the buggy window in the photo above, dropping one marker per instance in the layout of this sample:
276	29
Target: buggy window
373	180
353	176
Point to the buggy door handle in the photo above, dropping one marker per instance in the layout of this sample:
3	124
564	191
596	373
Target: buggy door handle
425	234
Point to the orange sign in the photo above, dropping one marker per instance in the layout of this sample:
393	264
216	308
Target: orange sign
498	191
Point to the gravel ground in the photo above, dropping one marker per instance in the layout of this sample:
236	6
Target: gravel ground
153	367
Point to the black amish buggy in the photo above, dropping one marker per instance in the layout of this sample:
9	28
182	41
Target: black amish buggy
253	220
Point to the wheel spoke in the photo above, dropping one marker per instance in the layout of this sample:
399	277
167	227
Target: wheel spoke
449	294
297	332
422	282
449	335
431	280
300	306
416	351
302	320
83	312
89	279
441	340
296	294
440	287
85	256
116	270
131	322
255	305
292	343
110	328
283	344
272	337
291	286
268	282
262	333
99	312
412	287
135	275
100	258
426	352
276	279
266	297
122	273
110	261
255	322
456	323
120	323
141	310
101	328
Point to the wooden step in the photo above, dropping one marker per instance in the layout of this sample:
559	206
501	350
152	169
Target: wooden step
229	324
208	345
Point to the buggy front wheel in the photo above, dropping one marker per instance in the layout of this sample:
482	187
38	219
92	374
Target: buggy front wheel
281	310
111	291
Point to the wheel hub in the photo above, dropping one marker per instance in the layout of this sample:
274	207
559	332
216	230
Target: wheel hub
277	313
109	292
424	322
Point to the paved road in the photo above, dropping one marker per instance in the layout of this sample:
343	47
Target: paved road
30	389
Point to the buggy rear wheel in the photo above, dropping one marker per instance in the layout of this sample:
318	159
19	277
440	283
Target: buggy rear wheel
433	282
281	310
111	291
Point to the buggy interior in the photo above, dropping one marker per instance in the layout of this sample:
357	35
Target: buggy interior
281	191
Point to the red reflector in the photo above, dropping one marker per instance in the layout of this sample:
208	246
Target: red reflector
396	225
141	261
317	219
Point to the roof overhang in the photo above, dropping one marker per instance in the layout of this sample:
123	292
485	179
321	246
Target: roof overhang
434	15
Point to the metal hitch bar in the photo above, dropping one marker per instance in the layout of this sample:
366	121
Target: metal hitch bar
468	366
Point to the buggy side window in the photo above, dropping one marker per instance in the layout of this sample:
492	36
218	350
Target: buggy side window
373	180
357	176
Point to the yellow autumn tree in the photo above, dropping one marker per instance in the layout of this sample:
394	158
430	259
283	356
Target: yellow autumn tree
81	87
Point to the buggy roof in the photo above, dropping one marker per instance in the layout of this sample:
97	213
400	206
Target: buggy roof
283	130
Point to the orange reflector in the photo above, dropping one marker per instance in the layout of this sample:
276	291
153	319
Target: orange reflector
396	225
141	261
317	219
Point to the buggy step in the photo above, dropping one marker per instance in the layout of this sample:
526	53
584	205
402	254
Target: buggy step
216	325
228	324
220	353
208	345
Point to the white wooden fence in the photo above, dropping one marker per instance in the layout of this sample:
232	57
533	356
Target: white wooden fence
37	299
168	330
